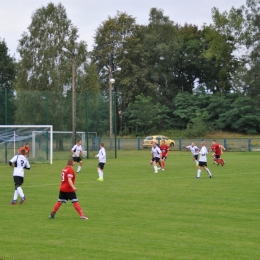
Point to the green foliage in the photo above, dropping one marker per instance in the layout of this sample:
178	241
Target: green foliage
7	82
243	116
196	127
146	117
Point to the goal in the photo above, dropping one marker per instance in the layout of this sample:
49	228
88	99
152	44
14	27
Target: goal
39	137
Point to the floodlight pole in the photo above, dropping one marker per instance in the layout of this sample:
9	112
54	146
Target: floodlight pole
111	81
73	101
110	105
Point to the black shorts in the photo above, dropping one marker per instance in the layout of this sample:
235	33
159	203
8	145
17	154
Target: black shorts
18	180
101	165
195	157
216	156
156	159
203	164
76	159
164	158
65	196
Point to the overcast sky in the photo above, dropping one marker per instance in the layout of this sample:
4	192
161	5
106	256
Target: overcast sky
87	15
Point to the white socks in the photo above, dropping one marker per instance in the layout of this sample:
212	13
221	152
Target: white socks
155	168
79	168
15	194
208	171
100	174
20	192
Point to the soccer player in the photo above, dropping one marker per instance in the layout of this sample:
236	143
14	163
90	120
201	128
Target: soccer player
203	160
194	150
76	150
165	150
27	149
217	148
19	163
156	156
101	162
67	190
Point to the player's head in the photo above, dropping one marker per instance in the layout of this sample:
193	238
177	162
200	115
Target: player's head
163	142
192	144
154	143
214	142
102	144
202	143
23	152
79	142
27	145
70	162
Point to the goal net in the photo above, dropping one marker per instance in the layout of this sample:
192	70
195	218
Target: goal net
39	138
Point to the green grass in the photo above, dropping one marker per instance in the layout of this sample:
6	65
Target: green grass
136	214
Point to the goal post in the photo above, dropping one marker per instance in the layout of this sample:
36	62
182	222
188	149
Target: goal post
39	138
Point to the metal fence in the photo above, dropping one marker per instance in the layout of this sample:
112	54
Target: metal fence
230	144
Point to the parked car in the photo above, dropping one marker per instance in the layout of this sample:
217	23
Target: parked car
147	143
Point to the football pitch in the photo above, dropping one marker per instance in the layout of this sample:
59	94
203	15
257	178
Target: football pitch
135	213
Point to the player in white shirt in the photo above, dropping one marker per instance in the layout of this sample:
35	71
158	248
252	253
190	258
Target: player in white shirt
101	162
156	156
203	160
19	163
195	151
76	151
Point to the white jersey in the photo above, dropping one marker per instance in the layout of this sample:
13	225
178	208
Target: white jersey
156	152
203	154
193	149
76	149
102	155
20	162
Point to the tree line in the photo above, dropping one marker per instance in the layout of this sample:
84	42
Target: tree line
172	76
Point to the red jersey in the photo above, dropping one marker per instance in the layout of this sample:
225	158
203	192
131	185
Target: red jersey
67	172
216	148
27	149
164	149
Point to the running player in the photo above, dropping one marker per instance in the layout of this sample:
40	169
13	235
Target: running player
101	162
156	156
76	150
19	163
217	149
165	150
203	160
27	149
194	150
67	190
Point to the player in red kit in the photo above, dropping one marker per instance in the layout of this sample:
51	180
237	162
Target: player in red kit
217	148
26	148
165	150
67	190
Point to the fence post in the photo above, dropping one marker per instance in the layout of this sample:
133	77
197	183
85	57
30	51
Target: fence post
225	143
159	141
87	125
180	144
249	145
93	143
138	143
118	143
99	141
5	122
